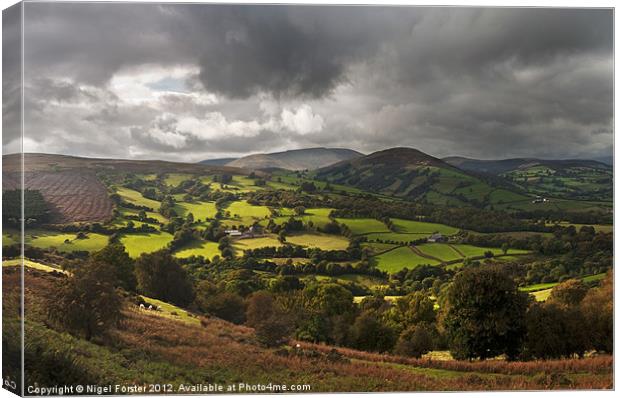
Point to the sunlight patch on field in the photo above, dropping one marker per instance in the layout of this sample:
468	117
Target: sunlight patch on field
199	248
200	210
136	244
321	241
255	243
168	310
399	258
244	213
420	227
48	239
136	198
32	264
174	179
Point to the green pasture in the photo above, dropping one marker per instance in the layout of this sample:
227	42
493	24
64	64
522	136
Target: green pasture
174	179
255	243
361	226
399	258
136	198
317	240
541	295
395	237
136	244
475	251
9	239
168	310
505	196
420	227
151	214
244	213
318	217
200	210
441	251
206	249
65	242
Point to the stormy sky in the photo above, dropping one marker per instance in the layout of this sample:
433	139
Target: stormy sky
191	82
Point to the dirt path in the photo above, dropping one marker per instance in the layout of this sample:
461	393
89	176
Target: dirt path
460	253
422	254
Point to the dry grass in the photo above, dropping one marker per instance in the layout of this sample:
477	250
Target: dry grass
216	351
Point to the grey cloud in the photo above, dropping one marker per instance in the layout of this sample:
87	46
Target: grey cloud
466	81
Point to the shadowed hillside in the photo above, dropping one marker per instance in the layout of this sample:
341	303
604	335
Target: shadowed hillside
147	346
299	159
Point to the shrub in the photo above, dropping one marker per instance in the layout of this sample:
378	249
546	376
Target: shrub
224	305
570	292
160	276
87	303
415	341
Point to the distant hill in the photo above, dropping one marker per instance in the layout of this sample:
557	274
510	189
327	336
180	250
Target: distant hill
412	174
571	178
298	159
506	165
605	159
217	162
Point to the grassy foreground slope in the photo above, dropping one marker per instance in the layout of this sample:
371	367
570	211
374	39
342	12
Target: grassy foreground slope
214	351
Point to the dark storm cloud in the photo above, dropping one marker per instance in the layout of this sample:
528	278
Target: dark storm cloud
467	81
11	79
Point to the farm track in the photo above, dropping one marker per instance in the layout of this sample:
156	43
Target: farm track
460	253
422	254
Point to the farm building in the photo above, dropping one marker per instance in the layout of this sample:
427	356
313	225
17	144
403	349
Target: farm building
437	238
232	232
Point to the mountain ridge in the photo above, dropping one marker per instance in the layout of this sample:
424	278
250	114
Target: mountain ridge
295	159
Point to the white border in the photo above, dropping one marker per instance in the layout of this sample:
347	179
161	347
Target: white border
483	3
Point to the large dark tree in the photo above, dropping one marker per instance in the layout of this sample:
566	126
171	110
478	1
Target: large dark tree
555	331
569	292
485	314
160	276
416	341
370	333
598	310
87	303
115	255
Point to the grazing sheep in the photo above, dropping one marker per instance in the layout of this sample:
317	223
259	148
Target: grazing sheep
141	306
150	308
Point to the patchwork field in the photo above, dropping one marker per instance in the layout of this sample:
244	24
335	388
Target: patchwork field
255	243
244	213
444	252
399	258
361	226
395	237
429	253
151	214
65	242
199	248
419	227
200	210
174	179
137	244
321	241
136	198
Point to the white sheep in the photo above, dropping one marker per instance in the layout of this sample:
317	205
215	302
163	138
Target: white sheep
141	306
150	308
